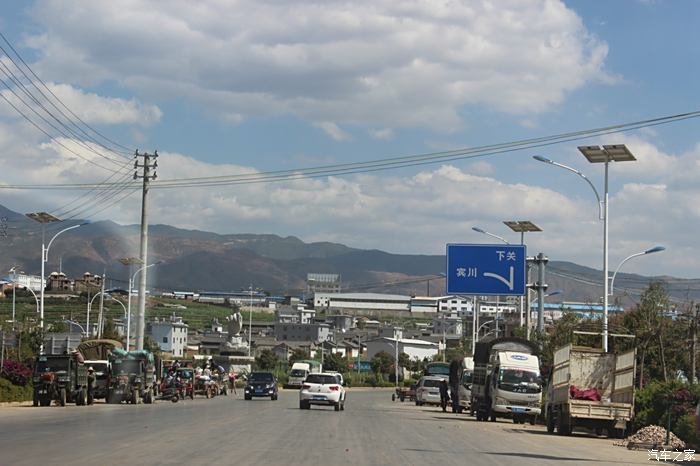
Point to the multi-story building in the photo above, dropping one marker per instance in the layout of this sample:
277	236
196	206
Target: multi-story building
322	283
89	282
59	282
170	334
362	302
302	332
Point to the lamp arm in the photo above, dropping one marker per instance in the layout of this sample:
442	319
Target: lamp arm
612	280
46	251
595	191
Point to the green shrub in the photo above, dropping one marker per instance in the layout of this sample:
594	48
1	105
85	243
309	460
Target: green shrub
653	403
11	392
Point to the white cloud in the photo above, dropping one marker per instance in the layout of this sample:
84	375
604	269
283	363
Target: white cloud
384	64
384	133
333	130
414	214
103	110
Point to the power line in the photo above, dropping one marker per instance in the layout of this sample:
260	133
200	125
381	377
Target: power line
128	151
383	164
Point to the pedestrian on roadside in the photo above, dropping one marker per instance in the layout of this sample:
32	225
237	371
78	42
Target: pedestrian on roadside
91	385
444	395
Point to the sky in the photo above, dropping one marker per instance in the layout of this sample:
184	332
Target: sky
240	87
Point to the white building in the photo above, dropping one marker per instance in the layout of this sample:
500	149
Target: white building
33	282
456	304
500	308
424	304
171	335
415	349
362	301
449	326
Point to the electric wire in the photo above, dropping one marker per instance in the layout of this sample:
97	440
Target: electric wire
128	151
69	133
384	164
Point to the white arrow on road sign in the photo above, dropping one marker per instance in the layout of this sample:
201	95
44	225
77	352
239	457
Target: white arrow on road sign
498	277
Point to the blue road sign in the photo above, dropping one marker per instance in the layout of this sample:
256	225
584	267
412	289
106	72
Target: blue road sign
486	269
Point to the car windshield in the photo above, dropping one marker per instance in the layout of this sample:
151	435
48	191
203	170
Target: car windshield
52	365
440	368
125	367
260	377
298	373
184	373
322	379
519	380
431	383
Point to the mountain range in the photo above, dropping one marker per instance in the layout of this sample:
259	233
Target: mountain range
200	260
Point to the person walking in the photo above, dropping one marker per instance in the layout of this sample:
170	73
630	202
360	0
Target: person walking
444	395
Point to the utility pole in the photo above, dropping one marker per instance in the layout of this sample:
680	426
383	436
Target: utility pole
540	286
102	303
150	162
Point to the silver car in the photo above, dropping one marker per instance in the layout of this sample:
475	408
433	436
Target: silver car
428	390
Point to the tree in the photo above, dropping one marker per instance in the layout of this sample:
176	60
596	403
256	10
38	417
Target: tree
110	330
382	363
335	362
404	360
297	355
646	322
267	360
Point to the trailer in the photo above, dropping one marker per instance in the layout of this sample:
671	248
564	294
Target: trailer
591	389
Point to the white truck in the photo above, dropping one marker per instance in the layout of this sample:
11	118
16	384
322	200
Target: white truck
461	375
300	370
506	381
591	389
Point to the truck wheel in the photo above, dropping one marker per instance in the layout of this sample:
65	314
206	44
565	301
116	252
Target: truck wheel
62	397
563	425
550	421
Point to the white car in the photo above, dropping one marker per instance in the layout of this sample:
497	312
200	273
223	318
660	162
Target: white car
428	390
322	389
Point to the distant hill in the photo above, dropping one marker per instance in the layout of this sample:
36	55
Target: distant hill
200	260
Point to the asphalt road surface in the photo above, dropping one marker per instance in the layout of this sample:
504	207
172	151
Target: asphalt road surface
372	430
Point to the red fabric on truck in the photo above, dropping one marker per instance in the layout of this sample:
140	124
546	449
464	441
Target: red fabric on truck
591	394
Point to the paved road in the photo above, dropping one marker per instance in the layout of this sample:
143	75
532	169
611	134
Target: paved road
228	430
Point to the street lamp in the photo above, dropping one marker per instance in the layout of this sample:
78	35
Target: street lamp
130	261
648	251
44	218
250	324
521	226
101	324
546	295
72	322
484	232
598	154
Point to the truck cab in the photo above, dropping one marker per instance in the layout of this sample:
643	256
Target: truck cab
59	377
515	386
298	374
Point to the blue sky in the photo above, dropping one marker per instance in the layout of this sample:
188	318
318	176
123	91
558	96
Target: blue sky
231	87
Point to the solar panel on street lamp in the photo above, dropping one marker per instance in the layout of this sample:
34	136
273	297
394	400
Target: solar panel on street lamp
606	154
